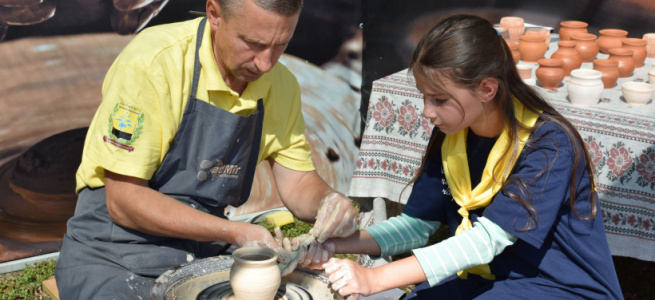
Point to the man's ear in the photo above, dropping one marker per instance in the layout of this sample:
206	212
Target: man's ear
214	14
488	88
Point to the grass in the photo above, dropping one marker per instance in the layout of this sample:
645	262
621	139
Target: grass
26	284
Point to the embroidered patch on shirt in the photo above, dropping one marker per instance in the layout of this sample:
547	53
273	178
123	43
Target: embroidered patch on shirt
125	126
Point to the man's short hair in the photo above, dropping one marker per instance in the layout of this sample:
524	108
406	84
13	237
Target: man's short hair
285	8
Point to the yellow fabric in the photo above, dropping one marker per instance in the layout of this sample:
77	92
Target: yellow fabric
149	85
456	169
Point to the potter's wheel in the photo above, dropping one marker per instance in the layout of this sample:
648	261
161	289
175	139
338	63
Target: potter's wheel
208	279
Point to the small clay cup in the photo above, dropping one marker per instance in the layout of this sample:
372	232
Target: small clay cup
626	62
637	93
532	48
568	27
610	38
550	73
639	48
610	70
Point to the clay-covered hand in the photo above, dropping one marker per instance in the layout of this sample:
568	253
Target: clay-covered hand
255	235
317	254
336	217
349	278
292	252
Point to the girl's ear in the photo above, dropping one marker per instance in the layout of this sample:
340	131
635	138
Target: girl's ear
488	88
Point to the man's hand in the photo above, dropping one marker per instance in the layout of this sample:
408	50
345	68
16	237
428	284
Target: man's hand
255	235
336	217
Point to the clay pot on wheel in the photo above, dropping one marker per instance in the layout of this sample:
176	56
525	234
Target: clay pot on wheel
568	27
639	48
585	87
254	274
566	52
532	48
624	57
585	45
610	70
610	38
550	73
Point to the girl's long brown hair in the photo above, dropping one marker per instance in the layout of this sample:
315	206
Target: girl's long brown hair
467	49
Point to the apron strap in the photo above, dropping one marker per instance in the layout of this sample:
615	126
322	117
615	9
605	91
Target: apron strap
196	62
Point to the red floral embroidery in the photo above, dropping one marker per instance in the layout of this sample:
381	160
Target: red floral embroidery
359	164
594	152
371	163
616	219
646	166
384	165
619	161
394	166
383	113
632	220
647	224
407	117
406	170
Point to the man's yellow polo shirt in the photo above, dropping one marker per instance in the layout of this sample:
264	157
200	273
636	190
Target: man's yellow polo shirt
145	94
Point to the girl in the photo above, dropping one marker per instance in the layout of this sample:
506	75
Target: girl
505	171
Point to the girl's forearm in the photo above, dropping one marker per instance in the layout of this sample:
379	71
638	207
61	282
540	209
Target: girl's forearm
361	242
397	274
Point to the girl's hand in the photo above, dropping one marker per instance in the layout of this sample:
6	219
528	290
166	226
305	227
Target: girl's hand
348	278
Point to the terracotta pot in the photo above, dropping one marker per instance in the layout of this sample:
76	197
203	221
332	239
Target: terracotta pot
567	53
255	273
516	55
585	87
568	27
610	70
610	38
550	73
515	27
585	45
639	48
650	44
543	31
624	57
532	48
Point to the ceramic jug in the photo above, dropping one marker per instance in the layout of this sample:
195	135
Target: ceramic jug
624	57
550	73
532	48
610	38
585	86
567	27
639	48
566	52
610	70
255	274
539	31
585	45
515	26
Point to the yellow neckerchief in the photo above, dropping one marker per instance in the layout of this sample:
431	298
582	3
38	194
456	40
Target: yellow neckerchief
456	169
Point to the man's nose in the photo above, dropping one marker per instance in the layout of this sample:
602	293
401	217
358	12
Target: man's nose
264	60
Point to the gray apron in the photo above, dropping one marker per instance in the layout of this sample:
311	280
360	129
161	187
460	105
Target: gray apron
210	164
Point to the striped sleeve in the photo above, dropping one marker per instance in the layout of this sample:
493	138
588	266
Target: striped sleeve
476	246
402	234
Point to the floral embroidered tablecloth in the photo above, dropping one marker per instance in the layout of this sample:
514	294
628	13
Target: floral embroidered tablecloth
620	139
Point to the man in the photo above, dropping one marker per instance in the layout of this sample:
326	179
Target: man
188	111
